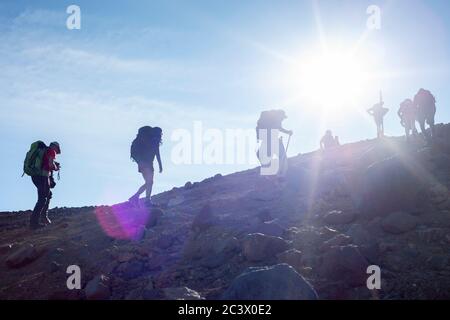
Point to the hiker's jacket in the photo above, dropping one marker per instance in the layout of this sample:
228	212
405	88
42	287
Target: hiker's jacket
48	162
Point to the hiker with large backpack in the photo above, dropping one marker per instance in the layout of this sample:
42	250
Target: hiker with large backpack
408	113
378	112
267	132
328	141
426	110
39	164
144	149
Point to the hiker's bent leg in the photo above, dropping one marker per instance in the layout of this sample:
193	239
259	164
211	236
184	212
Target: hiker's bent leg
423	129
40	184
148	177
44	212
140	190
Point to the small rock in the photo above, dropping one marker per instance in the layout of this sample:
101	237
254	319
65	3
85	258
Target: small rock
203	220
399	222
98	288
155	216
345	263
336	217
182	293
54	266
258	247
188	185
339	240
176	201
6	248
24	255
125	257
131	270
164	241
270	228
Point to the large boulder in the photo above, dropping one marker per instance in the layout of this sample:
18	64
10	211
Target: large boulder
25	254
260	247
345	263
399	222
211	249
204	219
292	257
279	282
391	185
98	288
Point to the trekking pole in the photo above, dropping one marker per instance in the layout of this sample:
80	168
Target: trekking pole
287	146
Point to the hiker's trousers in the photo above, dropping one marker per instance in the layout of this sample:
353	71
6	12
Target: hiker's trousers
44	195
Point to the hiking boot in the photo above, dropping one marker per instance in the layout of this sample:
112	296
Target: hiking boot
36	226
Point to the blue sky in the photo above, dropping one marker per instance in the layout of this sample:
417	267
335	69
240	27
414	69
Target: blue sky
170	63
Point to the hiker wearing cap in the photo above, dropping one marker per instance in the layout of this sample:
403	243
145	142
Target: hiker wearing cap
267	132
40	164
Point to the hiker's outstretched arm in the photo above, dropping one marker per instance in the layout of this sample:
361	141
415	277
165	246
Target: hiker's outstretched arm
289	132
158	157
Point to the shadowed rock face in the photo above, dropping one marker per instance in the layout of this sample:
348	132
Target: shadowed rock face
244	236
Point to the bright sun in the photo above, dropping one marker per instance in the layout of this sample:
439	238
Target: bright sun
332	81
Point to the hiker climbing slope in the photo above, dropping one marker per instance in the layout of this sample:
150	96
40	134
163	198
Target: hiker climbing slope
378	112
426	110
272	153
328	141
408	113
39	164
144	149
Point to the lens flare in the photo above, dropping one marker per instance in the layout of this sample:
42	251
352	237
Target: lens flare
123	221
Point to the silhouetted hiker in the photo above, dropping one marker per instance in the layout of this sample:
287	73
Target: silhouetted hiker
408	114
328	141
426	110
144	149
378	112
39	164
267	131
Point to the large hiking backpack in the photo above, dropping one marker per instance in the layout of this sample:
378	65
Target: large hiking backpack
32	164
269	120
424	97
135	150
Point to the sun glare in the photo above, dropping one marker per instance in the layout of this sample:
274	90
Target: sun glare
333	81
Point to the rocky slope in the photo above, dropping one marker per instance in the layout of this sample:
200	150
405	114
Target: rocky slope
244	236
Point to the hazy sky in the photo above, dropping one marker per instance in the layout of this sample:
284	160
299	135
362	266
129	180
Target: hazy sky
170	63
